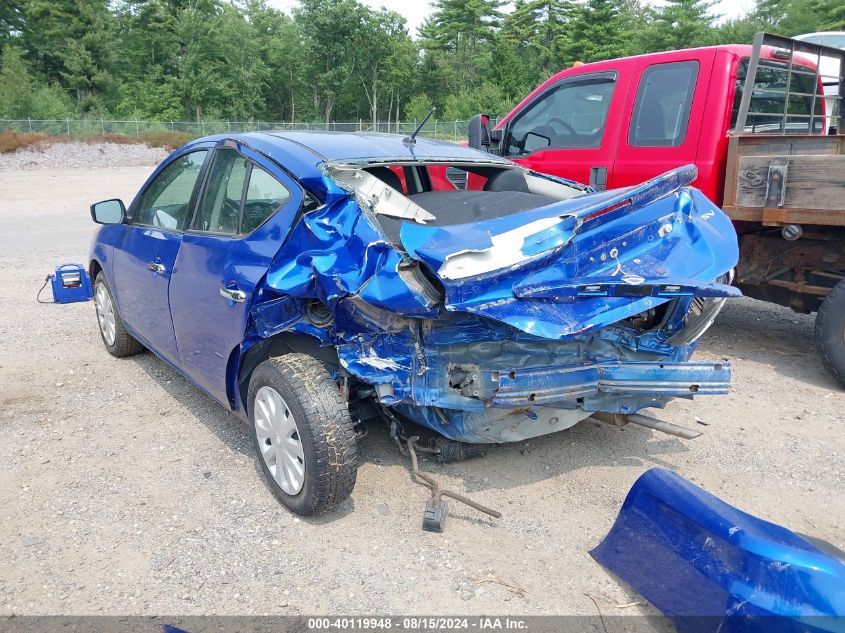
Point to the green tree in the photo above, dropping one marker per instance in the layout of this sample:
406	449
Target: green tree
458	38
833	15
680	24
281	49
331	29
72	42
23	96
790	17
11	20
598	31
384	56
418	107
486	98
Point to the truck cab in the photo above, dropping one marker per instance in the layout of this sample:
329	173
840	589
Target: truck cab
762	123
616	123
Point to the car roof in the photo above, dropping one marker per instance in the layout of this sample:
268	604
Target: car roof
302	153
363	147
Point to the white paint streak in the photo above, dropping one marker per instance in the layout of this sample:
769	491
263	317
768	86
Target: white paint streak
506	251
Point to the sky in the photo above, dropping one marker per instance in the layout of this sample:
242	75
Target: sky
415	11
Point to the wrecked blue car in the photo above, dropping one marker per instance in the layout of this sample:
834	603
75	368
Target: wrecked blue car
313	281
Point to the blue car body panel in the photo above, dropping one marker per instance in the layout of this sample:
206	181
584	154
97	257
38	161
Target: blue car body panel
485	355
711	567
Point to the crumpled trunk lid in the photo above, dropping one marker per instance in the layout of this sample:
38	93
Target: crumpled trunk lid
584	263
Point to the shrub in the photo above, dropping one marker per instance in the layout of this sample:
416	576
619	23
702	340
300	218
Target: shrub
11	141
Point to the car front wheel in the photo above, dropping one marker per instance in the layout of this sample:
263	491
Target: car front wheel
302	433
117	340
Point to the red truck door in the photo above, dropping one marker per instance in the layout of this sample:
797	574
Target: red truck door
663	117
568	128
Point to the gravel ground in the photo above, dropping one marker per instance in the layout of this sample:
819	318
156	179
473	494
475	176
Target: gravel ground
89	155
125	490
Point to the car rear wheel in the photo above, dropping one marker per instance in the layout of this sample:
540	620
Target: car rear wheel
302	433
117	340
830	332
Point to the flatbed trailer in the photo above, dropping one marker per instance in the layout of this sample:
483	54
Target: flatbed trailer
785	191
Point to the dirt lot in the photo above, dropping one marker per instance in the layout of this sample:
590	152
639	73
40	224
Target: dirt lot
126	490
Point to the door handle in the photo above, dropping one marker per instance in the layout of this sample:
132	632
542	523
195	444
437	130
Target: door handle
238	296
155	267
598	178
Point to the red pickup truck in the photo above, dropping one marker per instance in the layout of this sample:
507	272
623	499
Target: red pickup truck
750	117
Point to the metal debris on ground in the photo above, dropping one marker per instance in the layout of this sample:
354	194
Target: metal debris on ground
434	518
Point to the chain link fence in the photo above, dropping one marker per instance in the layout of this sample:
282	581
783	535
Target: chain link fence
76	128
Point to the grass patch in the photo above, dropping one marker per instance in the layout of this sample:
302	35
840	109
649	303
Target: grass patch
12	141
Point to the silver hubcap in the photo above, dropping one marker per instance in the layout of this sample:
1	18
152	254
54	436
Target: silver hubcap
279	440
105	314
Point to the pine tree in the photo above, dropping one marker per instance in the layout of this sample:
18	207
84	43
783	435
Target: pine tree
72	42
11	20
681	24
461	34
598	31
833	15
539	31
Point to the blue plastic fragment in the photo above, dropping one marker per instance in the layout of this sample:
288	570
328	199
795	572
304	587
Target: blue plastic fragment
711	567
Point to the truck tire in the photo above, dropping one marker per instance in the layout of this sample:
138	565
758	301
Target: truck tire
830	332
118	341
302	433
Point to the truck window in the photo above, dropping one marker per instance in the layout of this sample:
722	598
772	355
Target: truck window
765	112
569	115
662	108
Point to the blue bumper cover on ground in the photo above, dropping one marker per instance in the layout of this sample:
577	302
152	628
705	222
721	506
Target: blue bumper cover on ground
711	567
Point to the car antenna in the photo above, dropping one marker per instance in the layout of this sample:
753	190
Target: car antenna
411	140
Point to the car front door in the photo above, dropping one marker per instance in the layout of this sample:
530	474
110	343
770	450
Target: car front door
144	259
570	129
244	213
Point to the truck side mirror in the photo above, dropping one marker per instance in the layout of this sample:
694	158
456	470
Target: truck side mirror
479	132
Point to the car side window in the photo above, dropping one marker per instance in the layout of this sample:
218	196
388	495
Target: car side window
220	206
662	109
572	115
264	196
165	202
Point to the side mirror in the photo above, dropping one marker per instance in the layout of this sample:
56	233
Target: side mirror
108	212
535	146
479	132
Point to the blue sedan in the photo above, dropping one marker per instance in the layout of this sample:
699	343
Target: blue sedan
312	282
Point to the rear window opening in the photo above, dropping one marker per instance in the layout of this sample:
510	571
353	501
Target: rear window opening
428	195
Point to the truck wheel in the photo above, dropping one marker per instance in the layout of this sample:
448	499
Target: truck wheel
302	432
830	332
117	340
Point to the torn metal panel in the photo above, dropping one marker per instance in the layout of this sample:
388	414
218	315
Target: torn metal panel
376	194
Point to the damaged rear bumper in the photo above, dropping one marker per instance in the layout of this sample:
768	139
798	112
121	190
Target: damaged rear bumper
587	383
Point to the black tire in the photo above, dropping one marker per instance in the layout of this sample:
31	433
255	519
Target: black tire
324	429
830	332
124	344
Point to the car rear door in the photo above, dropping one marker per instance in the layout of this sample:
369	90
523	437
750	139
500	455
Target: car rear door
663	116
244	213
143	261
569	129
